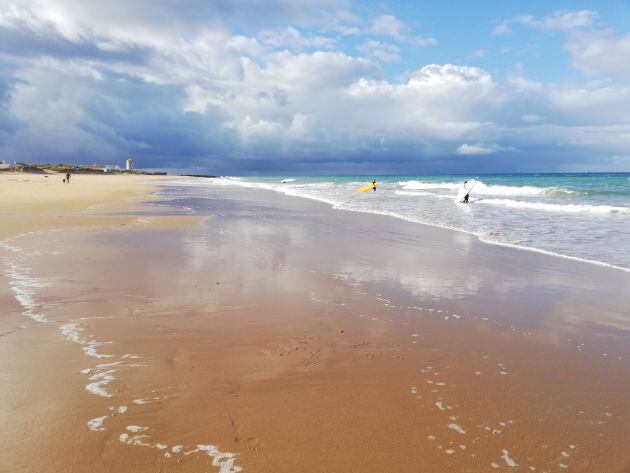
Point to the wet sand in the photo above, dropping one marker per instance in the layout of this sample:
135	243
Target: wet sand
279	335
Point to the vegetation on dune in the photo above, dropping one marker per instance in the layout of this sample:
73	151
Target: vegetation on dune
72	168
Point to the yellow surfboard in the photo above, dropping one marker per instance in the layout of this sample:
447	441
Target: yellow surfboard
369	187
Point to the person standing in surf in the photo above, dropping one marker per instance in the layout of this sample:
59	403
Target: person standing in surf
374	185
465	200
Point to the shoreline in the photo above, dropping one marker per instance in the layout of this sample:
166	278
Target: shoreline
337	206
296	336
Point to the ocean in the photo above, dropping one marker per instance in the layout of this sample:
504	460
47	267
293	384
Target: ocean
578	216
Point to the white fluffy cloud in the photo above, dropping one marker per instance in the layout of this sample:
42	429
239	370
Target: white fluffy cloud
601	54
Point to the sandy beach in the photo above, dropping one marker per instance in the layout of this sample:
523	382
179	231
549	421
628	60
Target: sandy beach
43	202
223	329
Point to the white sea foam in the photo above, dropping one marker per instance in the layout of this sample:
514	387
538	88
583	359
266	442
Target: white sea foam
139	440
97	423
420	185
551	253
508	460
136	428
24	288
224	460
100	375
100	378
72	332
568	208
456	428
118	410
109	365
421	193
482	188
90	349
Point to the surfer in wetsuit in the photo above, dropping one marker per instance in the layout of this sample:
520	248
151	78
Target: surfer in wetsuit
374	185
465	199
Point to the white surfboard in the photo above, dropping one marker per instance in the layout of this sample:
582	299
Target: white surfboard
466	188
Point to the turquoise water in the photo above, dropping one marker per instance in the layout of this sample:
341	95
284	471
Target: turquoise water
582	216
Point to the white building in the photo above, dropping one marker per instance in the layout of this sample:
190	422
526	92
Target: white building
129	165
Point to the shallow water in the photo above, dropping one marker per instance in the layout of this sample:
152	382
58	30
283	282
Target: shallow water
583	216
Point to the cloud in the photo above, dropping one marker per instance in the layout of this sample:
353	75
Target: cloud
291	38
384	51
97	83
64	112
424	42
468	150
601	54
388	25
392	27
341	21
532	118
477	54
501	28
562	20
522	83
594	50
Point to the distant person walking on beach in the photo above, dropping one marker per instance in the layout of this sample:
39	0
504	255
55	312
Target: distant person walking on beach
374	185
68	177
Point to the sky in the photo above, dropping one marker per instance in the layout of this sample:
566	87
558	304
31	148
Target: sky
244	87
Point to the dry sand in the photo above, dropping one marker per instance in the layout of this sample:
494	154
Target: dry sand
42	202
279	335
